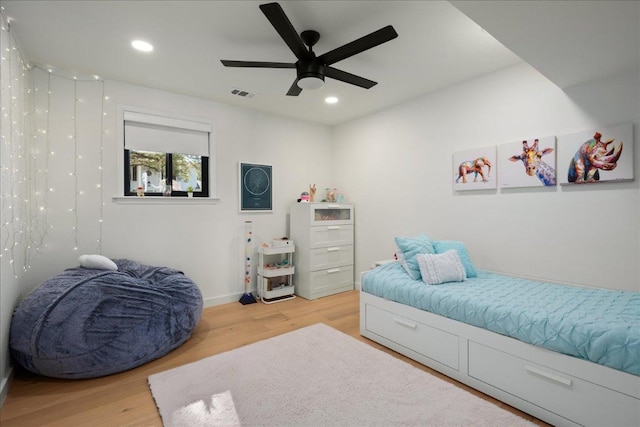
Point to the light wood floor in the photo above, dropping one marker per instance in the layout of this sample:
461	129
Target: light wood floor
125	400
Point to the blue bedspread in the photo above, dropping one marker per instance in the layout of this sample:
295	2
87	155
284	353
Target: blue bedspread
599	325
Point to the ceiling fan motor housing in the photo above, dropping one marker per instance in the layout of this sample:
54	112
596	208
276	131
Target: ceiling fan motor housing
312	69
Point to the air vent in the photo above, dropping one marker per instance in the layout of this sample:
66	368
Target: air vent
243	93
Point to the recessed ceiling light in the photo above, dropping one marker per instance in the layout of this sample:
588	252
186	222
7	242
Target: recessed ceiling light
142	45
331	100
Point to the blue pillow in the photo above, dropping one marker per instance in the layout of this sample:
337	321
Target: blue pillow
441	246
409	248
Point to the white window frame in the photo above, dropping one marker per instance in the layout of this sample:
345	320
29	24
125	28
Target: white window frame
174	120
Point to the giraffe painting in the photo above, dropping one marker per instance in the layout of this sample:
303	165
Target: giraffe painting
531	157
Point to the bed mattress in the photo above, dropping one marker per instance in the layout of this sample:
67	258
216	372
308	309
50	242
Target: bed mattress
599	325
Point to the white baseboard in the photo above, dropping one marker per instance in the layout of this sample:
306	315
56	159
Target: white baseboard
4	386
224	299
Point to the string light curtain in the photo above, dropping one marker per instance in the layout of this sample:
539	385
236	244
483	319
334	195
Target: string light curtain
39	207
75	173
15	154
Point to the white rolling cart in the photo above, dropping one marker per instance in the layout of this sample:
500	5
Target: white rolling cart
275	274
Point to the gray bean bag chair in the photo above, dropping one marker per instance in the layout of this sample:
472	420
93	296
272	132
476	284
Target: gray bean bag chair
86	323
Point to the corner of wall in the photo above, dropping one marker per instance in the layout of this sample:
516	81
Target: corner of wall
5	382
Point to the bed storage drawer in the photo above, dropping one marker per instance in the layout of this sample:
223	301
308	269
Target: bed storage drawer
430	342
581	401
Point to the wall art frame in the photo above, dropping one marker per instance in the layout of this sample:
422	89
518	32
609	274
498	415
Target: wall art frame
475	169
255	187
598	155
528	163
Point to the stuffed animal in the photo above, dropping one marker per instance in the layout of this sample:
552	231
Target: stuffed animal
332	193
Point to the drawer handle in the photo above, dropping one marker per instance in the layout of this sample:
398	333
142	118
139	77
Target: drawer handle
334	249
406	323
548	375
333	270
333	206
333	227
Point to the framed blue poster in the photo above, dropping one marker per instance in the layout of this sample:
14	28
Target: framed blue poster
256	188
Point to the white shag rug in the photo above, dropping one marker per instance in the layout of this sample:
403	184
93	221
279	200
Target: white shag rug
315	376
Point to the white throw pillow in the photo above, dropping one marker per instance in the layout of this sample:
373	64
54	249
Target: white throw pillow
97	262
441	268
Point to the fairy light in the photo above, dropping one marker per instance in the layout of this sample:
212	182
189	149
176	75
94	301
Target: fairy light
47	150
9	242
27	146
103	99
35	209
31	229
74	174
37	176
12	179
81	197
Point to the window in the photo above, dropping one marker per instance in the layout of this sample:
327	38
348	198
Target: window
165	156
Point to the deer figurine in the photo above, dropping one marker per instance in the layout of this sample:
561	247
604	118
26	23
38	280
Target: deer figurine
531	157
312	192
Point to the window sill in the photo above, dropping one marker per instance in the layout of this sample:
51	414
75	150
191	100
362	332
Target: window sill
133	200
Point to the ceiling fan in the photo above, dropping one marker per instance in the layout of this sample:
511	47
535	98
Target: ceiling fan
311	69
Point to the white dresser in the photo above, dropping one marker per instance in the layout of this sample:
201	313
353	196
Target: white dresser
323	233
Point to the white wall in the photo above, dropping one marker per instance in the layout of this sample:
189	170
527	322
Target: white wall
203	240
396	167
18	221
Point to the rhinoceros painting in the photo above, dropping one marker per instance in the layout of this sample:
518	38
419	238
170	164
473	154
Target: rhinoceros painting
600	155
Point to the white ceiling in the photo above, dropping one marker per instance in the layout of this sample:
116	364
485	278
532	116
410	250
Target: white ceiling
568	41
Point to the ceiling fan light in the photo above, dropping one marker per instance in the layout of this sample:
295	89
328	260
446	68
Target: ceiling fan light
310	83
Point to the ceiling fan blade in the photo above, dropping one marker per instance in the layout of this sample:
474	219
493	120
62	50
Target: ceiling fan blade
256	64
374	39
277	17
294	90
343	76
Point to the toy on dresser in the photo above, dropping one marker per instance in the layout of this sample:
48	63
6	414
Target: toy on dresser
312	192
332	195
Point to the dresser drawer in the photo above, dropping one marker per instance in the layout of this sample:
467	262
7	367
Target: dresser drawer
331	213
581	401
330	257
331	281
330	235
433	343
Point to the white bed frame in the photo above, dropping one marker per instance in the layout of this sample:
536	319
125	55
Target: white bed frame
559	389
